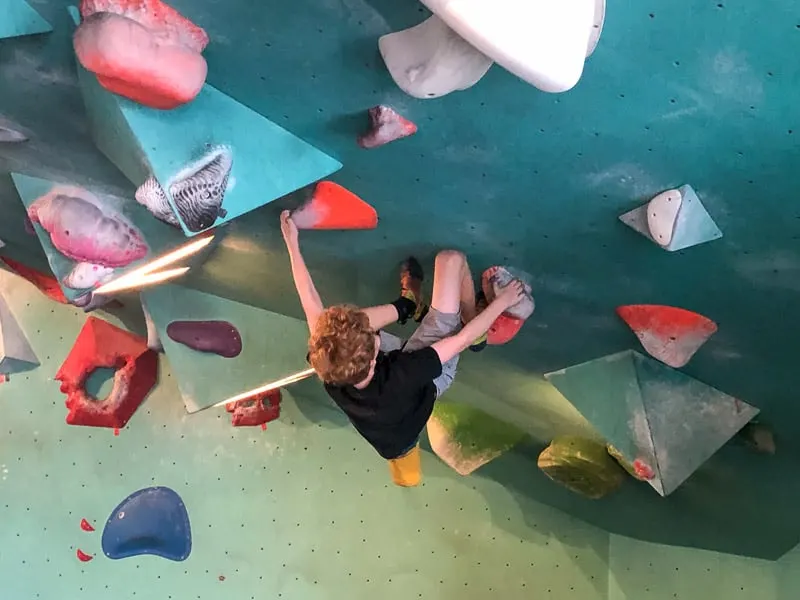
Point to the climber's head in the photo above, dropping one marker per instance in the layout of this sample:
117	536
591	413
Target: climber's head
343	347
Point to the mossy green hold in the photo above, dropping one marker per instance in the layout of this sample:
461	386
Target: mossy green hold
467	438
581	465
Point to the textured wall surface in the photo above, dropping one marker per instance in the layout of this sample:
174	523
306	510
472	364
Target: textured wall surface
700	93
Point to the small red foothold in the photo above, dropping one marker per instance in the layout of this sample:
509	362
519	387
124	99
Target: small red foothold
643	470
385	125
83	557
86	526
116	430
263	427
3	378
222	577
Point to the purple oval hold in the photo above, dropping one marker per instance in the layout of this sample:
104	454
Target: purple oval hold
219	337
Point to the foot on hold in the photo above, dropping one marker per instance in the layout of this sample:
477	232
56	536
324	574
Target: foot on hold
411	278
406	470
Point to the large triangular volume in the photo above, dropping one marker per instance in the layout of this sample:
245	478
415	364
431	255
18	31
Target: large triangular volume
467	438
653	415
16	354
268	346
203	163
669	334
19	18
674	220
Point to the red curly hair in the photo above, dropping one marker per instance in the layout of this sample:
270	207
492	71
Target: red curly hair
342	347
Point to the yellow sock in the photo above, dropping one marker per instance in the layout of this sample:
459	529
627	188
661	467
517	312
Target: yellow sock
406	470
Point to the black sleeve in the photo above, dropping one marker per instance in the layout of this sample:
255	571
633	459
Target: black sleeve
420	366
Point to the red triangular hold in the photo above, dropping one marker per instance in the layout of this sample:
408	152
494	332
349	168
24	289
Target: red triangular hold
669	334
47	284
102	345
334	207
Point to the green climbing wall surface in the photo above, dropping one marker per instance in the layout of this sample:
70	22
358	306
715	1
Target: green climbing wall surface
687	92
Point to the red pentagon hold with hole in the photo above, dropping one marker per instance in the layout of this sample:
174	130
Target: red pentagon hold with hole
103	345
259	410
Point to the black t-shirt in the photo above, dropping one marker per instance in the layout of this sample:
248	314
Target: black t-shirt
392	410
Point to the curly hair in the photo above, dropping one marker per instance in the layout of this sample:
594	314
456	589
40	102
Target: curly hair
342	347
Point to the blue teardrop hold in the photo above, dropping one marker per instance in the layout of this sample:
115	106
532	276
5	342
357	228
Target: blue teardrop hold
151	521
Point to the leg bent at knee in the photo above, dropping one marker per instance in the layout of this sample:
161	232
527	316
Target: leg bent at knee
450	259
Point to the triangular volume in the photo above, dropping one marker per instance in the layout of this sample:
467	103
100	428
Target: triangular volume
655	417
19	19
674	220
16	354
669	334
271	346
204	163
334	207
101	345
689	420
606	392
467	438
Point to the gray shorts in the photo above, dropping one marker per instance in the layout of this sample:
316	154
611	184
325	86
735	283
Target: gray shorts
434	327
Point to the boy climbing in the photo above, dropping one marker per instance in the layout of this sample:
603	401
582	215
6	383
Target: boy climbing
384	385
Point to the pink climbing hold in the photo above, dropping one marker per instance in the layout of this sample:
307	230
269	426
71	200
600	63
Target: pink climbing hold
386	125
669	334
82	556
643	471
86	526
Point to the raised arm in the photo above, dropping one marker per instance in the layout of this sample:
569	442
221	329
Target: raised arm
309	297
456	344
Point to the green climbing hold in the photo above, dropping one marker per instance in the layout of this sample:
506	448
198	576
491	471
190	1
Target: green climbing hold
581	465
467	438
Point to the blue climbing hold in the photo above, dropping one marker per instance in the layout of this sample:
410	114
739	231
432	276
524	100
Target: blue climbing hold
151	521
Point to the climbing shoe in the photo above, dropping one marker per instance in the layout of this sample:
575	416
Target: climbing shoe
411	277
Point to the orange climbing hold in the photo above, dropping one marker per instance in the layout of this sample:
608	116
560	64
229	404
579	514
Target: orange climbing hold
669	334
334	207
102	345
47	284
258	410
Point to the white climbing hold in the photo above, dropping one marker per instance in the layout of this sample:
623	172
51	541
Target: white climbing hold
662	213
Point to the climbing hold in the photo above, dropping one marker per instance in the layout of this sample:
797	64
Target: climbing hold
16	354
508	324
675	219
84	229
667	421
19	19
758	437
10	131
46	284
582	466
431	60
333	207
258	410
86	526
102	345
669	334
218	337
85	275
82	556
158	63
153	339
199	189
467	438
153	197
150	521
638	468
385	125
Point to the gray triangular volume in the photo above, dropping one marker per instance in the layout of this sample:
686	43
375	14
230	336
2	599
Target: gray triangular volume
16	354
636	219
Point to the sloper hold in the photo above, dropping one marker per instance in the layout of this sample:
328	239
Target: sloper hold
274	346
103	345
666	420
674	228
333	207
217	337
582	466
19	19
269	162
669	334
258	410
385	125
150	521
16	354
467	438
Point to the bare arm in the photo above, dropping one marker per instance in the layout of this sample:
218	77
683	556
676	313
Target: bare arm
309	297
381	316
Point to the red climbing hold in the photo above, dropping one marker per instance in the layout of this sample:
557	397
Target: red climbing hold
643	471
507	325
102	345
385	125
116	431
83	557
669	334
334	207
258	410
86	526
47	284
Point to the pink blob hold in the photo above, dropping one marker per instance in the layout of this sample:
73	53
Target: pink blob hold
386	125
82	230
86	526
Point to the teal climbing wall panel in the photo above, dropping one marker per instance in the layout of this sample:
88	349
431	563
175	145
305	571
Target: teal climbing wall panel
19	18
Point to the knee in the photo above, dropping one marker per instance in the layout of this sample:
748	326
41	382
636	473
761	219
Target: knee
450	259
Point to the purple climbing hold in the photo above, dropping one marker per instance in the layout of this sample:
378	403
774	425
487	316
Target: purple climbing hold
219	337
